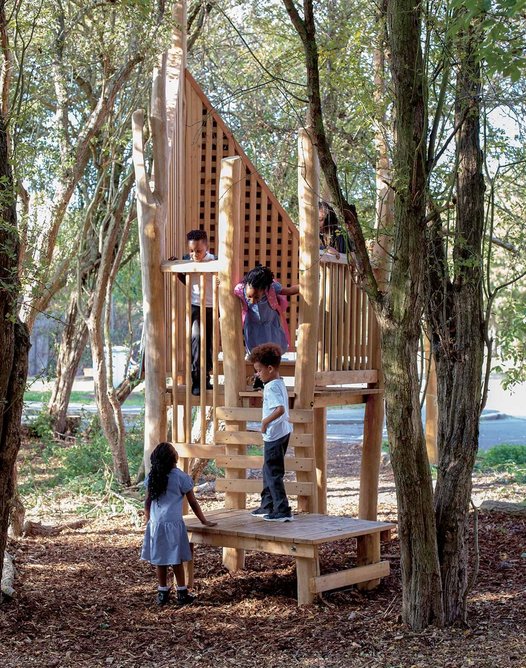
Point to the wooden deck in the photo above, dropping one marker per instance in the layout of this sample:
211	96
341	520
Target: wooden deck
300	539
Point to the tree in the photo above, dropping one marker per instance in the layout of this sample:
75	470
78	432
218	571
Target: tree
14	337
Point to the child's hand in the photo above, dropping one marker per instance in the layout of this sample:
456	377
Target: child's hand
208	523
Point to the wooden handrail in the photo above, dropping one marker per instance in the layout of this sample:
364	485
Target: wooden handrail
190	267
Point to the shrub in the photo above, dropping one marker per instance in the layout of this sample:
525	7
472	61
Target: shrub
507	458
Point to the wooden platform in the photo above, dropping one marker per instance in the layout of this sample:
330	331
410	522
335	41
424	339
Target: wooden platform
300	539
323	396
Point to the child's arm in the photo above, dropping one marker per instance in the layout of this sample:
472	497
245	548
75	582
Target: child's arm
276	413
194	505
293	290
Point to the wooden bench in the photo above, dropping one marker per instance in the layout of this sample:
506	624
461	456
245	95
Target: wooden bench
300	539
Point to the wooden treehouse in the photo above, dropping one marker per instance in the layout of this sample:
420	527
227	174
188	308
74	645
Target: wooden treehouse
333	359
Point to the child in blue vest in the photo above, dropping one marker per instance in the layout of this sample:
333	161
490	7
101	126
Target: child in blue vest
264	305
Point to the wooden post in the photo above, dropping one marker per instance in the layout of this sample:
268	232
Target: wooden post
151	214
152	207
309	282
229	243
368	548
431	404
320	454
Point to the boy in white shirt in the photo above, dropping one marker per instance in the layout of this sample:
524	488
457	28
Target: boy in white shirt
198	252
276	430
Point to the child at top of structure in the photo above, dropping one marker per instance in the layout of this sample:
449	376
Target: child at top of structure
198	252
165	539
264	306
333	239
276	430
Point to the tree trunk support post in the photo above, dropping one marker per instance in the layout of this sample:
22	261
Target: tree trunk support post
309	272
230	322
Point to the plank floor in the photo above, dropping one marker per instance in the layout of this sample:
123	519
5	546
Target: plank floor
306	528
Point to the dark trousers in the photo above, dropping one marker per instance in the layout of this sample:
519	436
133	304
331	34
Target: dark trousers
273	497
196	341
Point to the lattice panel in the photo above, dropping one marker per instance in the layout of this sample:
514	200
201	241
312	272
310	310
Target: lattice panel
268	234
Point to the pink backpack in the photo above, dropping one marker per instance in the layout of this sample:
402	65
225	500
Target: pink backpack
277	302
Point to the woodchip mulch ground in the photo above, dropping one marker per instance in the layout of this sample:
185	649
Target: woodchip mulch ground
85	600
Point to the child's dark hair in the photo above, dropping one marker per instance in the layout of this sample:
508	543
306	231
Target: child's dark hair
260	278
330	222
197	235
267	354
163	459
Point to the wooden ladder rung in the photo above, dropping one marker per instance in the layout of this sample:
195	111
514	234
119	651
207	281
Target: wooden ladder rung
255	486
239	414
256	462
199	451
256	438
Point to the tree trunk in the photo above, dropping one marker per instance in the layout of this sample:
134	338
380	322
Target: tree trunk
14	336
459	343
72	345
110	414
400	317
399	306
421	600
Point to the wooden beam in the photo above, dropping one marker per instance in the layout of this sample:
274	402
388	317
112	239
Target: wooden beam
189	267
237	414
431	403
309	285
346	377
195	450
255	486
350	397
349	577
320	449
229	246
307	570
255	438
256	462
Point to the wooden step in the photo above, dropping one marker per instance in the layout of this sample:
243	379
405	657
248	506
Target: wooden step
255	486
239	414
256	462
256	438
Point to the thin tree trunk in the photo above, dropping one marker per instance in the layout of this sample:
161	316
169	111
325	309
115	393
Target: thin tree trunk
111	420
14	336
72	345
459	343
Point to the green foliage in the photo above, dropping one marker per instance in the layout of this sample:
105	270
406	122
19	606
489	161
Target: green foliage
510	338
41	427
510	459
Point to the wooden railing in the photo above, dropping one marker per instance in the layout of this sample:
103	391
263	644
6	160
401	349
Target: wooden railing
181	342
347	324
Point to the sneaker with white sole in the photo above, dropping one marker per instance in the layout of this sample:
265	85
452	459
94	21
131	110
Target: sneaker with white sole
259	512
278	517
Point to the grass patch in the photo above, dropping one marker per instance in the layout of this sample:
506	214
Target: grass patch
505	458
57	477
85	398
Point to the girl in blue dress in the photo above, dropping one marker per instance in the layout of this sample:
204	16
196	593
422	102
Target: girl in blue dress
165	539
